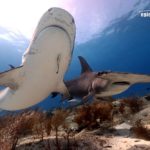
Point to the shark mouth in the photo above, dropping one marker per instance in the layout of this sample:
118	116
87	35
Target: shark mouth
121	83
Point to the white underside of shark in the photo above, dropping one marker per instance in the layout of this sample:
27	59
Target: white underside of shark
43	65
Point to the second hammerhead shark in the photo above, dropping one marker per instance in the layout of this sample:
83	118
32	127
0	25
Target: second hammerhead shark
101	84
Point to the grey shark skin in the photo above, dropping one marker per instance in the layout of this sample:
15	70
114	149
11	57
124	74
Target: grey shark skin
102	84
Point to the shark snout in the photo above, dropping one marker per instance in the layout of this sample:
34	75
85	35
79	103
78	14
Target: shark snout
65	20
116	82
136	78
61	15
57	17
126	78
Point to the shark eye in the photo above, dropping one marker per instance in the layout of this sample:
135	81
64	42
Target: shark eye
103	72
99	73
121	83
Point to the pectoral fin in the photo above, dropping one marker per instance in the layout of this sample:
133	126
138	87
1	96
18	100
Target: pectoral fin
64	91
10	78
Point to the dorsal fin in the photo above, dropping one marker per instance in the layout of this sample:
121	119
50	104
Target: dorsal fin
84	65
11	66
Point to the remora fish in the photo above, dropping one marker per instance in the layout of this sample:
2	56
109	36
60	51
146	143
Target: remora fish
101	84
43	64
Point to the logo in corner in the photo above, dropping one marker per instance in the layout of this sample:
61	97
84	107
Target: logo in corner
144	13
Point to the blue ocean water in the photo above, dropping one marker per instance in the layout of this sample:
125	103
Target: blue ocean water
126	48
123	46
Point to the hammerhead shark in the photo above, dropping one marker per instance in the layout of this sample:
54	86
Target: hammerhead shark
102	83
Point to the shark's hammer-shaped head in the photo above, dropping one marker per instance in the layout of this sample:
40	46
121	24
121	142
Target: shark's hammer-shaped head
116	82
103	83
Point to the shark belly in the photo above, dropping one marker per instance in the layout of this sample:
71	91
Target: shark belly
44	63
44	67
